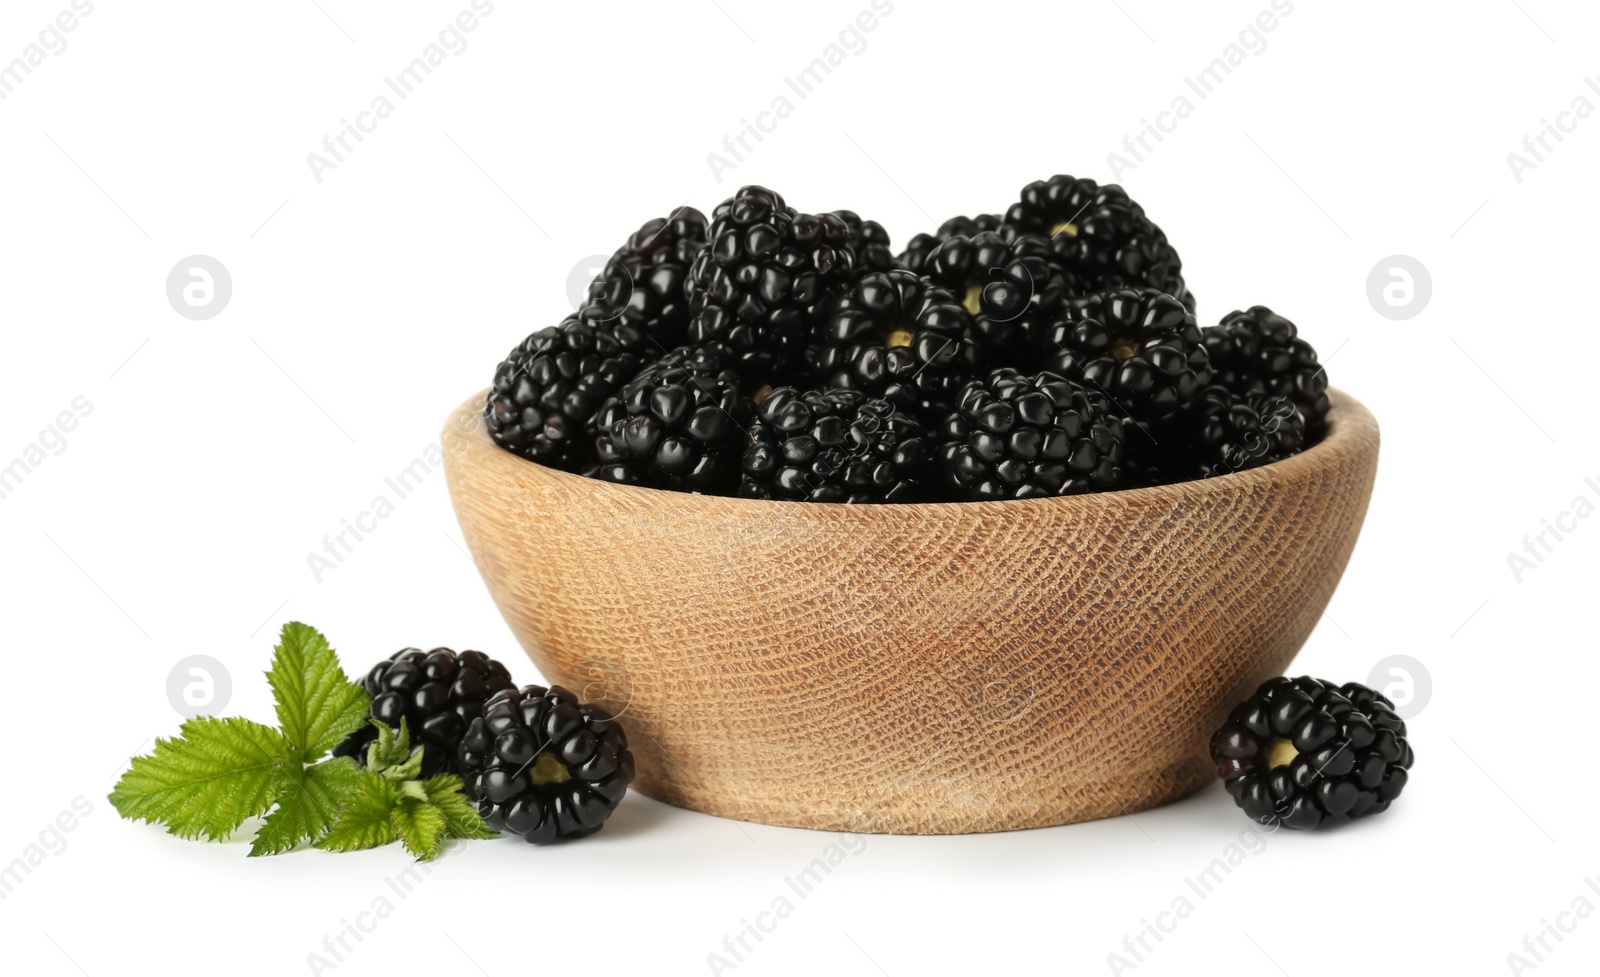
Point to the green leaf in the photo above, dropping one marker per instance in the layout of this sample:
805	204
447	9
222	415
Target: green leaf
363	820
208	779
317	703
461	819
421	828
391	754
307	806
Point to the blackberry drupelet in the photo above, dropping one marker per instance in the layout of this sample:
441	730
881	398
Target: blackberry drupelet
834	445
438	693
540	763
1013	284
893	335
1307	753
1017	436
677	425
643	283
766	272
1228	432
872	242
1139	347
1258	351
549	388
1102	232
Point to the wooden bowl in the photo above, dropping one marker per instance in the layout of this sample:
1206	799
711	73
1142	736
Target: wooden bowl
918	669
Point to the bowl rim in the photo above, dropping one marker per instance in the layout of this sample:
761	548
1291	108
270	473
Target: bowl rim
1350	426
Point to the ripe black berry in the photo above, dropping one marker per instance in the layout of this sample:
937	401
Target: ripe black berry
643	283
549	388
678	425
1227	432
1011	283
1020	437
1102	232
438	693
893	335
1307	753
1258	352
759	283
834	445
540	763
1139	347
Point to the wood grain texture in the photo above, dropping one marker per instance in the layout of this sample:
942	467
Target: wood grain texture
922	669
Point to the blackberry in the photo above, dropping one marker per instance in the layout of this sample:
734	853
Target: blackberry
1139	347
759	283
894	335
540	763
1307	753
833	445
872	242
1011	283
438	693
1219	433
1019	437
1258	352
643	283
1229	433
677	425
1102	232
550	386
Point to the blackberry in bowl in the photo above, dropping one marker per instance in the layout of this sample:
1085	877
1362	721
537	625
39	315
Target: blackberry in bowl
1012	284
1102	232
897	336
764	273
1257	352
1140	348
834	445
1015	436
547	390
643	284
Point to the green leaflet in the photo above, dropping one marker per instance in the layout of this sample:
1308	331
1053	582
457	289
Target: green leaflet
317	704
363	822
460	817
420	814
207	780
421	828
306	806
391	754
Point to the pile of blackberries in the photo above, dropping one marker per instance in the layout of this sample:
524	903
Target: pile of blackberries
536	761
772	354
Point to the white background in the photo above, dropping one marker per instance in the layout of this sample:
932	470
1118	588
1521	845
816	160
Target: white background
179	516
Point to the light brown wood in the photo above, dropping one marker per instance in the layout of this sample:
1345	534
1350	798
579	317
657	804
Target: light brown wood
924	669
